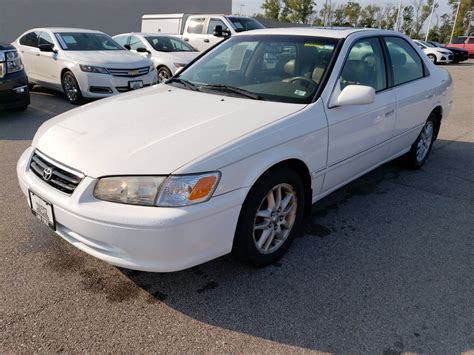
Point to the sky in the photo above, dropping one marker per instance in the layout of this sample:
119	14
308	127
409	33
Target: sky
254	6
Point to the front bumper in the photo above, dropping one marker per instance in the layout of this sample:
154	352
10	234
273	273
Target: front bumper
103	85
10	95
141	238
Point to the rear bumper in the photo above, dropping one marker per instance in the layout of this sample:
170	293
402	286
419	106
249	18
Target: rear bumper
141	238
14	91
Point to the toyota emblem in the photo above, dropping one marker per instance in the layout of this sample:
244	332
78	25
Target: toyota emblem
47	173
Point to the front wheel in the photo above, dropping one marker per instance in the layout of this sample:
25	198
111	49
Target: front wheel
164	74
71	88
432	58
270	218
420	150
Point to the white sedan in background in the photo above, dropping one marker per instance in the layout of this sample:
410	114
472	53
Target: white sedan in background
82	63
435	54
168	53
230	153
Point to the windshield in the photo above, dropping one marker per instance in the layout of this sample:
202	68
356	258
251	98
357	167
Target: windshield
274	68
437	44
167	44
245	24
86	41
428	44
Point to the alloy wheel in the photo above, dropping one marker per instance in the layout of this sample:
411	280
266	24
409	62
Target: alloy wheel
70	88
163	75
424	143
275	218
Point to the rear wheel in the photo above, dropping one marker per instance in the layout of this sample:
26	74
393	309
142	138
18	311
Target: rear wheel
432	58
270	218
164	74
421	149
71	88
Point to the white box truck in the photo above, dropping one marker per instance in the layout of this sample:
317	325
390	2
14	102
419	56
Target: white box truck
197	30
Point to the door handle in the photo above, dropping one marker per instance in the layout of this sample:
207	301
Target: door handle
206	40
389	113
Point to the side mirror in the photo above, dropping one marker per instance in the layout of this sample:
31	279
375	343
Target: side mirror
127	47
142	50
354	95
47	48
219	32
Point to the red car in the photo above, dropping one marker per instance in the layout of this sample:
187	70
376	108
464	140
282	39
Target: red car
463	42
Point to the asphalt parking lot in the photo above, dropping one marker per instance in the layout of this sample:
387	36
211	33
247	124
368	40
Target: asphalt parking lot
385	265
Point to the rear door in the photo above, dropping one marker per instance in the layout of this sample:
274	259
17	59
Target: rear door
28	48
194	33
413	90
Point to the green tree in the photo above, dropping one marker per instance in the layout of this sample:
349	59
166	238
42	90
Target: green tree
408	19
352	11
445	28
298	10
462	22
272	8
368	16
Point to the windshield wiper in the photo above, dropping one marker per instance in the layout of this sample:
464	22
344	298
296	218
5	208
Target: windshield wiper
234	90
185	83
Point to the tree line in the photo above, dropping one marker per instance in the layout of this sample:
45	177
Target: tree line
413	16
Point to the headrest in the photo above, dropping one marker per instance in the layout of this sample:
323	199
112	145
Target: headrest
290	67
398	58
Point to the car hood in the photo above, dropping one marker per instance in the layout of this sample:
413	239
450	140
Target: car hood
152	131
119	58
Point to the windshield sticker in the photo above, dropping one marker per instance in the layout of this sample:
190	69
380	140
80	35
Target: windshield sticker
300	92
317	45
69	39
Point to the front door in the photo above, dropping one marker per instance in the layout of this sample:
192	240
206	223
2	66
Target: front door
358	134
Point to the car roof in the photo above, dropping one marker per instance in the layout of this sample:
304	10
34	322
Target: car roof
316	31
64	29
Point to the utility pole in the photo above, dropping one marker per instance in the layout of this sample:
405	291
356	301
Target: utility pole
454	24
429	22
241	9
397	24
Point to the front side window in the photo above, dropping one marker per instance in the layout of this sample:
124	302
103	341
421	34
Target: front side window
195	25
86	41
45	38
365	65
30	39
168	44
136	43
213	22
406	63
276	68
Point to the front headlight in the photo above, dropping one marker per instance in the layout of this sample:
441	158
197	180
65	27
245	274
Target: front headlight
14	63
92	69
171	191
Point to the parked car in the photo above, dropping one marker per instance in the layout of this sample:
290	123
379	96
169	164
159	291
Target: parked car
168	53
198	30
435	54
463	42
459	55
14	91
230	153
82	63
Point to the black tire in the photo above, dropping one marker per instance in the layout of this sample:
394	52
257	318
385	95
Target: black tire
433	58
71	88
163	74
413	159
245	240
20	108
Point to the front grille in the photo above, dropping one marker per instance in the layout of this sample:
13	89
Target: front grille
450	56
129	73
55	174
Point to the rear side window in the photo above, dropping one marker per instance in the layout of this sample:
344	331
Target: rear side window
195	25
406	63
459	40
365	65
30	39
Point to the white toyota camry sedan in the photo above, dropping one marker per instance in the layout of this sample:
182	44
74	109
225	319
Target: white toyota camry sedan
167	52
245	140
82	63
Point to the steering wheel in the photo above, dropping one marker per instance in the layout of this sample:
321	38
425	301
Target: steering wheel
309	82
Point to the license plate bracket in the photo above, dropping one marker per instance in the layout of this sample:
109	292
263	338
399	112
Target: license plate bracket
135	84
42	209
